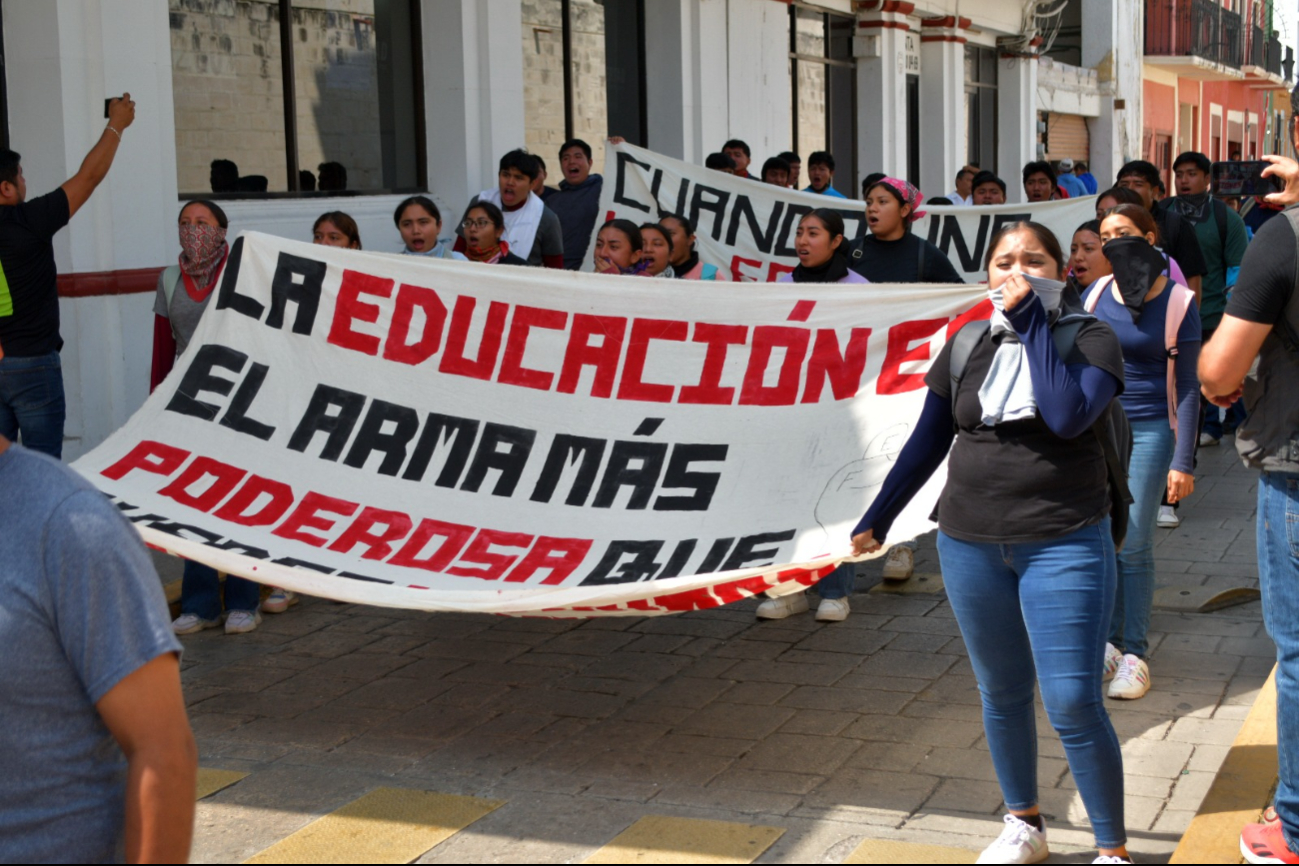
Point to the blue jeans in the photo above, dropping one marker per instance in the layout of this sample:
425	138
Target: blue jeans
200	592
1041	610
1213	423
1278	578
1152	452
838	583
32	408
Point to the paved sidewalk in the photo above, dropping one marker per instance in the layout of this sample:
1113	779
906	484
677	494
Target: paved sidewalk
830	734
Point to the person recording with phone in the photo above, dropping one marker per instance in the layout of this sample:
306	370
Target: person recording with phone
32	407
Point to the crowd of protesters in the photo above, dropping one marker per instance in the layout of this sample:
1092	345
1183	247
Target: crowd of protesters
1130	343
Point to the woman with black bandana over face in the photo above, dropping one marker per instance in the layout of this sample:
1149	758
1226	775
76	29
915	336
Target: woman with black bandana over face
1024	531
1158	327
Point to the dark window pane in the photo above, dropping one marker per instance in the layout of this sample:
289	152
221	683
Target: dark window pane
624	68
988	144
972	154
987	66
913	129
841	33
842	138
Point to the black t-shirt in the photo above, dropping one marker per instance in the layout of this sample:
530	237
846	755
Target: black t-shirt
1018	481
1267	275
1177	238
27	255
910	259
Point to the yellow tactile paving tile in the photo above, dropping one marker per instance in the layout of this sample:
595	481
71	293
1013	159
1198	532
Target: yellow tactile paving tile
885	851
387	825
211	781
661	839
1241	790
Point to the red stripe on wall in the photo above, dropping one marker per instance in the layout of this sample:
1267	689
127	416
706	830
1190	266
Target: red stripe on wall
93	284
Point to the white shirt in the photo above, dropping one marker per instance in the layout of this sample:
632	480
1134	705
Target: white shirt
957	200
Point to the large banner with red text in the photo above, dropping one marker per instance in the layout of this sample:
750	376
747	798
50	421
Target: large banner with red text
747	227
444	435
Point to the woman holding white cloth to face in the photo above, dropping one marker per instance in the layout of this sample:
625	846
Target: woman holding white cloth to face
1024	530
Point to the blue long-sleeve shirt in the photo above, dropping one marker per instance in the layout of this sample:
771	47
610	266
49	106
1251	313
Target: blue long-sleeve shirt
1070	399
1145	368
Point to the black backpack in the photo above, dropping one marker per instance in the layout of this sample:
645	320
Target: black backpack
1111	429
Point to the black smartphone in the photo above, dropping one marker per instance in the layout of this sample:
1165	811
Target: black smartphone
108	102
1232	179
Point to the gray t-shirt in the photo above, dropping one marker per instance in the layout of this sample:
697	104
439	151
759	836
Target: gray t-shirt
80	608
183	312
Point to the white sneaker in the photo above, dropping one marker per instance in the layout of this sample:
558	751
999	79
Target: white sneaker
1113	658
1018	843
191	623
1110	858
786	605
899	564
833	610
1208	441
1132	680
279	600
1168	518
242	621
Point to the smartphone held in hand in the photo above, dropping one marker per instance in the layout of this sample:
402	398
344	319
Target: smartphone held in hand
1233	179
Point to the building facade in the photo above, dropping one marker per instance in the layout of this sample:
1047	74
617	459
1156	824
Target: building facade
294	107
1215	80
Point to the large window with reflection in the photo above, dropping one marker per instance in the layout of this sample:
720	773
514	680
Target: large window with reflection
297	97
583	74
823	85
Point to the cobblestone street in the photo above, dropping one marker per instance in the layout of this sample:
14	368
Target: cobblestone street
831	734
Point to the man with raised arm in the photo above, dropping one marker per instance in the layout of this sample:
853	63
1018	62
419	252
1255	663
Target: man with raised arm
32	408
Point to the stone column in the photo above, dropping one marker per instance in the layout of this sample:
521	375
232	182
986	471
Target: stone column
473	92
1016	121
880	48
1113	44
942	102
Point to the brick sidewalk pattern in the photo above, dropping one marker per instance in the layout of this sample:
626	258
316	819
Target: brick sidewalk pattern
865	729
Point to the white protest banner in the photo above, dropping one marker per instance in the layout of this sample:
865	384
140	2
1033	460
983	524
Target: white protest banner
452	436
748	227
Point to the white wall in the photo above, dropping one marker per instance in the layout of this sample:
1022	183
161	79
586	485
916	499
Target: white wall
473	91
757	78
293	218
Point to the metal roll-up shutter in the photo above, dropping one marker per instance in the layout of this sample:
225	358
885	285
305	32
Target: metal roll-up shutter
1066	136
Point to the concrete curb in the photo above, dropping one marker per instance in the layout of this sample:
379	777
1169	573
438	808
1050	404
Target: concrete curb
1241	790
